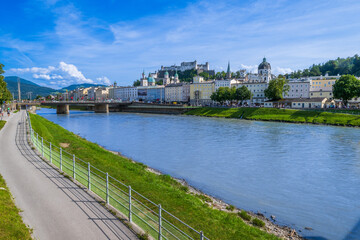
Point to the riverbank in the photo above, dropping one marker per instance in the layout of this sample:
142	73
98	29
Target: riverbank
279	115
11	224
194	208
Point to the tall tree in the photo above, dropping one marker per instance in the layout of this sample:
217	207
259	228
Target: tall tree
277	87
242	94
346	88
5	94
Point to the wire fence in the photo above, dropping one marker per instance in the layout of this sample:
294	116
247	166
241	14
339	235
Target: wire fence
149	216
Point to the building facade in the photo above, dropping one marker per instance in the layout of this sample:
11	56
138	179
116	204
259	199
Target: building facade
127	94
298	89
178	92
200	91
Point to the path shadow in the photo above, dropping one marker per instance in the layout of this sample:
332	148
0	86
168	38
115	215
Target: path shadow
110	226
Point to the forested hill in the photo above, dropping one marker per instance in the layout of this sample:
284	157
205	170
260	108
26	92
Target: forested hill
349	65
26	87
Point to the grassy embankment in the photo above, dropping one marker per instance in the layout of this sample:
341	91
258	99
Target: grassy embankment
280	115
11	224
161	189
2	124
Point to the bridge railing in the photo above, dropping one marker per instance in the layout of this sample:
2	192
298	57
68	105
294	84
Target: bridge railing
150	216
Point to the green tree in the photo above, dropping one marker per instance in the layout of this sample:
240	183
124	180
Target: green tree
136	83
346	88
242	94
221	95
277	87
5	94
205	75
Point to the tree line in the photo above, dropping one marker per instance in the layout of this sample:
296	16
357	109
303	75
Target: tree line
5	94
341	66
223	94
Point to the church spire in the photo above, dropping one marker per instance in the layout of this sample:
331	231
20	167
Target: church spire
228	73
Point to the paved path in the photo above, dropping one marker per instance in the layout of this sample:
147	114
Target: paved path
52	205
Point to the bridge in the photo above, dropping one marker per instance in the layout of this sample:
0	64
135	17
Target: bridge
106	107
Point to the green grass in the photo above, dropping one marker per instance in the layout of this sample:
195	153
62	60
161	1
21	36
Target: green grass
2	124
244	215
161	189
11	224
282	115
16	111
257	222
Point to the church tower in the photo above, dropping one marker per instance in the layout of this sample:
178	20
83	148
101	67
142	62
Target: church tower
176	78
228	73
144	81
166	80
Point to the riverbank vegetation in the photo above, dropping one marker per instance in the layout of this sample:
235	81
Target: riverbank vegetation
11	224
161	189
280	115
2	124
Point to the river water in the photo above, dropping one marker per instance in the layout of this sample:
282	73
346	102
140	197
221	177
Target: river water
305	175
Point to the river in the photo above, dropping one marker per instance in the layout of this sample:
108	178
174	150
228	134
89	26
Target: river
305	175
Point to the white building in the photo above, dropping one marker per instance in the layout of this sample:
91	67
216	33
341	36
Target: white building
264	73
102	94
187	66
257	90
92	93
178	92
298	89
126	93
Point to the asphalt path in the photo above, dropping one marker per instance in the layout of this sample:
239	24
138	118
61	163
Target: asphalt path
53	206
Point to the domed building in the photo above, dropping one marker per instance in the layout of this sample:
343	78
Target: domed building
264	73
264	70
151	81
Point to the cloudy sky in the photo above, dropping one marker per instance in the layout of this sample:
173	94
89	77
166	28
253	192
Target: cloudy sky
56	43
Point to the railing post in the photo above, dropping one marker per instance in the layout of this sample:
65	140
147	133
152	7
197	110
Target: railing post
160	228
89	181
107	188
74	173
201	235
42	146
60	159
130	218
50	154
37	139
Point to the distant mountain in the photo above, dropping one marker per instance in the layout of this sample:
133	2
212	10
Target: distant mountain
26	87
83	85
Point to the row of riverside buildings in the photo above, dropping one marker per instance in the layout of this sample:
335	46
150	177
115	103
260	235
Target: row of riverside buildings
164	86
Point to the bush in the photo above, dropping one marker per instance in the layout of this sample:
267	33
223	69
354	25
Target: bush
257	222
204	198
230	208
244	215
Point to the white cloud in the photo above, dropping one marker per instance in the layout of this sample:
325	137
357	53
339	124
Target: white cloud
73	72
279	70
103	80
250	68
62	75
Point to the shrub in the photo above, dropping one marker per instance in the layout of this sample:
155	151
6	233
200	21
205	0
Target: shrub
244	215
204	198
257	222
230	208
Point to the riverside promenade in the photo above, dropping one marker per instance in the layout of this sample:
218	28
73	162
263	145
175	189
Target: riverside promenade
53	206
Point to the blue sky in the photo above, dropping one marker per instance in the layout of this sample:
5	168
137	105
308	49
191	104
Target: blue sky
60	42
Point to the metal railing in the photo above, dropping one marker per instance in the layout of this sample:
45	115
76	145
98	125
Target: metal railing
149	216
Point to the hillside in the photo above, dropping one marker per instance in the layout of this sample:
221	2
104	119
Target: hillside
26	87
349	65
